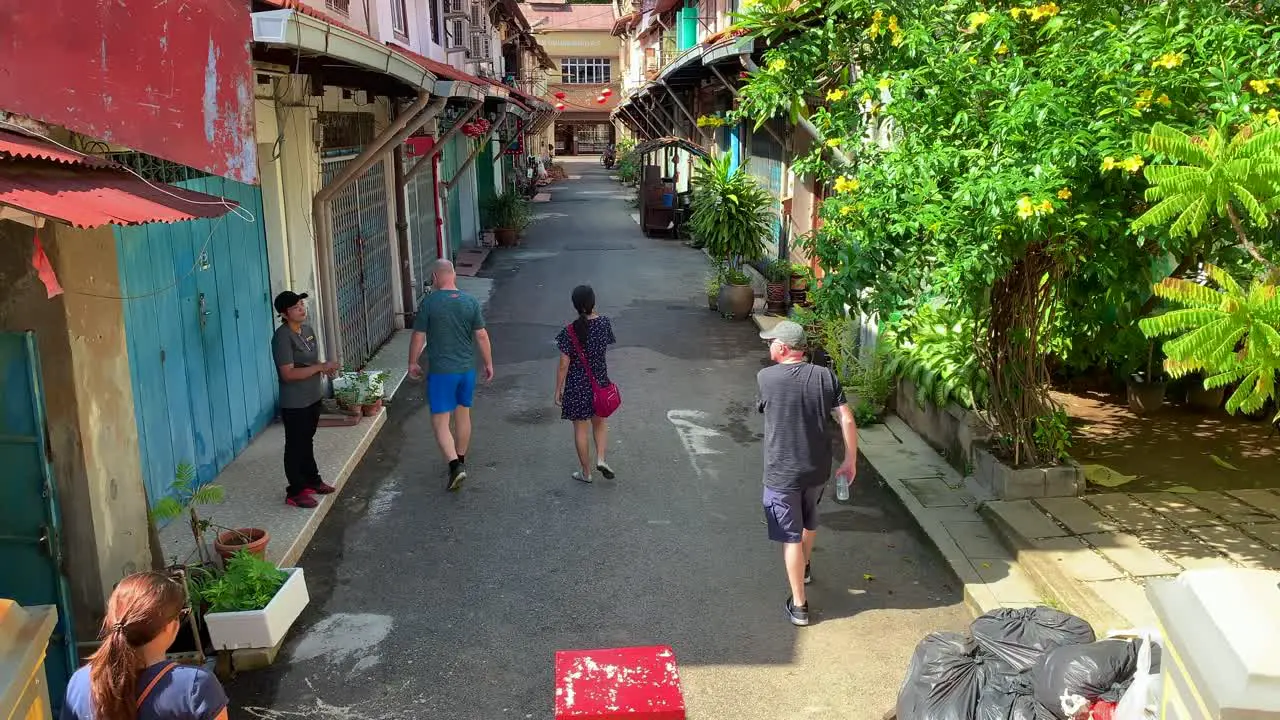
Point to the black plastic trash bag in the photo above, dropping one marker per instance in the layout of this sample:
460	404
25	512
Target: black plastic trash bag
1019	636
1007	697
1072	677
944	680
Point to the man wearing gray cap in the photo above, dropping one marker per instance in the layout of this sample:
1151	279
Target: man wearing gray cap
796	398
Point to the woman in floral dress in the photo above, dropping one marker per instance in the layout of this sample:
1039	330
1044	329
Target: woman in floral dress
589	335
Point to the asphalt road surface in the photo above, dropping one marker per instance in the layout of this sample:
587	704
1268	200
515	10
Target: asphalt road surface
426	604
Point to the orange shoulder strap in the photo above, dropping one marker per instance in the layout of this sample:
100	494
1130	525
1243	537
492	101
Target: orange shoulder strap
151	685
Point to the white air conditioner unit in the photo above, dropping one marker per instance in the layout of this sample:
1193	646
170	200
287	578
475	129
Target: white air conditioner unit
455	8
479	47
456	32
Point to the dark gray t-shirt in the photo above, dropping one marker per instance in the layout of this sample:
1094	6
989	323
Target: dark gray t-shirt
450	318
796	400
298	349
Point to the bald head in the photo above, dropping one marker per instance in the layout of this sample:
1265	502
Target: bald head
442	274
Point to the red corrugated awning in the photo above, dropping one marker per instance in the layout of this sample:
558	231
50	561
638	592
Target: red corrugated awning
17	145
39	177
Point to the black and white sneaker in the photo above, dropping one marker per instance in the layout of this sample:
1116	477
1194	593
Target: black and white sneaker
605	470
797	614
457	473
808	574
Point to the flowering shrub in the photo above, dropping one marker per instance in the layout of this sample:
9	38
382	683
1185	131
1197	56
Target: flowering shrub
993	162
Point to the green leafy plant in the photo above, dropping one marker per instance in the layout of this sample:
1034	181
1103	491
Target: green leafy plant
1052	435
716	279
628	163
985	155
730	212
185	496
1213	177
1230	335
934	349
248	583
777	271
509	211
733	276
867	413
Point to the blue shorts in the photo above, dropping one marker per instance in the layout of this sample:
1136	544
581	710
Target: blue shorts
446	392
790	512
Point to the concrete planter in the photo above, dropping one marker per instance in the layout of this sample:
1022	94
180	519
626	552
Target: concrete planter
1007	483
953	430
263	628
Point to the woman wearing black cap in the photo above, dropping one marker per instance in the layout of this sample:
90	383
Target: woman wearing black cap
297	358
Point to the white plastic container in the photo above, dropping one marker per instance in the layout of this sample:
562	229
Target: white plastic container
1221	658
261	628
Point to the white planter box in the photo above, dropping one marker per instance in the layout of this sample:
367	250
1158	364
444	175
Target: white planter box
261	628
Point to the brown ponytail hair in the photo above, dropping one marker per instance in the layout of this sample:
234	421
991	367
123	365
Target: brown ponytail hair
140	608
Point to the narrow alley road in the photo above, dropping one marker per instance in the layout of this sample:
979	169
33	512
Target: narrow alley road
426	604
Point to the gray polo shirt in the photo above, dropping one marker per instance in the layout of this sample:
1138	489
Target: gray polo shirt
797	399
298	349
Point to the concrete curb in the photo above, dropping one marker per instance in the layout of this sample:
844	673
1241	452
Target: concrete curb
294	552
1076	597
978	598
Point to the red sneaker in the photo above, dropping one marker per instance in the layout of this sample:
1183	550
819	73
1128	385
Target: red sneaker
304	499
322	488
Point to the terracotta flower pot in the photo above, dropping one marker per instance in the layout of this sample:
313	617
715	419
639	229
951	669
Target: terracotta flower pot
507	237
230	542
371	409
776	296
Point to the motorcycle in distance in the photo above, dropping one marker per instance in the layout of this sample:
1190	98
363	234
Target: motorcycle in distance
608	157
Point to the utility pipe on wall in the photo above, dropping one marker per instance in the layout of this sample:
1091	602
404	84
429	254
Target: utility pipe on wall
425	161
408	122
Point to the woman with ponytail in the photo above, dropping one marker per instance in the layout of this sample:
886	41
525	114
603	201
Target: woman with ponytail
586	338
129	677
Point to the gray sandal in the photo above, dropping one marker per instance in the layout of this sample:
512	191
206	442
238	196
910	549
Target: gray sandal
578	476
605	470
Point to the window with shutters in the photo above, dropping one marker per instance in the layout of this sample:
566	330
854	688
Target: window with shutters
400	20
586	71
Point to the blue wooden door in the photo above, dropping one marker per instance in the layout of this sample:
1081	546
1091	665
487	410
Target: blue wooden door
198	319
30	548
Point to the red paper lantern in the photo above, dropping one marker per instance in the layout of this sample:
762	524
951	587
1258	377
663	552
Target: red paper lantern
560	106
607	92
601	99
560	96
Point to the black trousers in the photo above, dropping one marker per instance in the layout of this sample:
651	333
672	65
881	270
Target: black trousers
299	448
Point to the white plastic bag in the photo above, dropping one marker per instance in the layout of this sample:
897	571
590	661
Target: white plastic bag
1139	701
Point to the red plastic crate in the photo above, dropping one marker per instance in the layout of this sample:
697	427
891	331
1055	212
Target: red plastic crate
639	683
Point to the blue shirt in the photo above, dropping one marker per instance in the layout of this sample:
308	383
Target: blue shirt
184	693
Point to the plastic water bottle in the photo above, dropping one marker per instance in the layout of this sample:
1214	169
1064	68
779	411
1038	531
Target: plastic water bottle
842	487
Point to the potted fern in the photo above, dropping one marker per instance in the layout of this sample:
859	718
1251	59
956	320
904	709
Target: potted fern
776	274
1229	334
732	214
509	214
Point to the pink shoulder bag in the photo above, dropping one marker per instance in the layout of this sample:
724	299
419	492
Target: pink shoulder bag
605	399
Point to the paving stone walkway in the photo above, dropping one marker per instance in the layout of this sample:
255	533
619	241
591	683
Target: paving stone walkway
1090	555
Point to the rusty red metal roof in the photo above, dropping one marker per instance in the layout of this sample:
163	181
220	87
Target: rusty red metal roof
20	145
86	191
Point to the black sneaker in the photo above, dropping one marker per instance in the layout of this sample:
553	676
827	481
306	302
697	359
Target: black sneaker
808	574
798	615
457	473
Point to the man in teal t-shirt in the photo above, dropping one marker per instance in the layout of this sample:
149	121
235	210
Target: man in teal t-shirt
454	324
